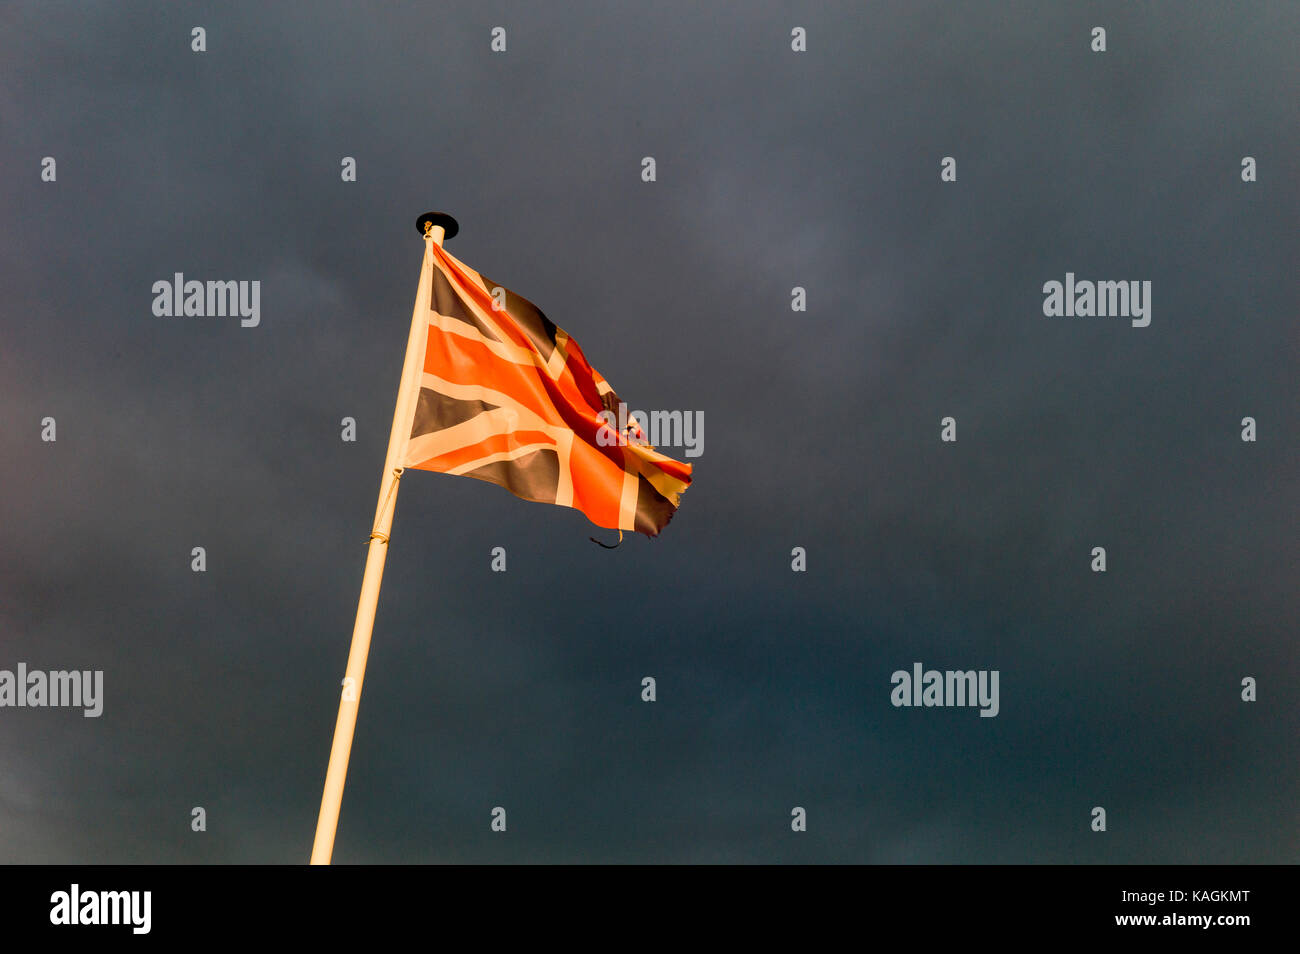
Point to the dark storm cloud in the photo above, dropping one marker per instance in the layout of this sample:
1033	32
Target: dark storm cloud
775	170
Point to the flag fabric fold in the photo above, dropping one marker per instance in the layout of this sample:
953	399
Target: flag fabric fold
507	397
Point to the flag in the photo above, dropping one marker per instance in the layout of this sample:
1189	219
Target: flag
507	397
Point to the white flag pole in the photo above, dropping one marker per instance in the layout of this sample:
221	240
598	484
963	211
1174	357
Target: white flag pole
435	226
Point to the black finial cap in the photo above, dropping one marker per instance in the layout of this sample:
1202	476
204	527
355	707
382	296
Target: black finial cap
449	225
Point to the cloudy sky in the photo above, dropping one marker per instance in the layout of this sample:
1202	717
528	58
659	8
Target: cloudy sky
822	430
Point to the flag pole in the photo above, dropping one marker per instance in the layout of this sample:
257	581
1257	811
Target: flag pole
434	226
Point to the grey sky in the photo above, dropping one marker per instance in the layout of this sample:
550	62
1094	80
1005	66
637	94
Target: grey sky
775	169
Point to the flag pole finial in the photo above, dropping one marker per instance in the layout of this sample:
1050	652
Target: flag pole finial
425	224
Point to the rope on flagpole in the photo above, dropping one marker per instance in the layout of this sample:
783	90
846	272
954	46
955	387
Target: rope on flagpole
376	533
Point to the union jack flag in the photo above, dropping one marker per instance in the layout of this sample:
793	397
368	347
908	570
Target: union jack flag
507	397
